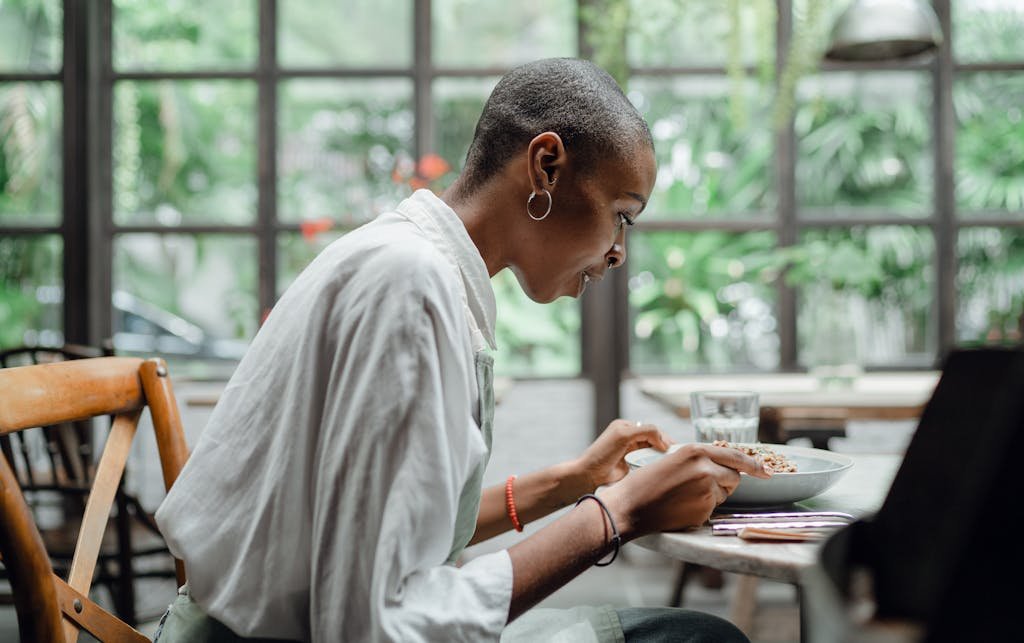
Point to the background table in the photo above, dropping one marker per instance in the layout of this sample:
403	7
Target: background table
800	404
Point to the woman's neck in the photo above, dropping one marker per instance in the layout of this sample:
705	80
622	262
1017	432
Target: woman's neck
484	213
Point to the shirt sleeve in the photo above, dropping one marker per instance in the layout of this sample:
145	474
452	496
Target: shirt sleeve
399	443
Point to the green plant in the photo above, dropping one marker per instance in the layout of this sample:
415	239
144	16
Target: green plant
695	294
864	293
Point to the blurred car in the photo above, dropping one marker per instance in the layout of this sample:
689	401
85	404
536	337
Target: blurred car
142	328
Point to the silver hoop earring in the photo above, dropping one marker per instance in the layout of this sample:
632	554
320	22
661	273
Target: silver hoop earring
533	195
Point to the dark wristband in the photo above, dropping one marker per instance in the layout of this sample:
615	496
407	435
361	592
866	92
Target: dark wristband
616	539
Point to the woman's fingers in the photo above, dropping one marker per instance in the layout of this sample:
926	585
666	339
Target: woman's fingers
731	458
640	435
737	460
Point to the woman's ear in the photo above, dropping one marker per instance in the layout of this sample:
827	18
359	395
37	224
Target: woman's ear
547	160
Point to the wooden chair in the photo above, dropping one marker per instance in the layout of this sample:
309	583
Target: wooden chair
55	466
49	607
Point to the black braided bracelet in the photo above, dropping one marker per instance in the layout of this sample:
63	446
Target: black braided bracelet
616	539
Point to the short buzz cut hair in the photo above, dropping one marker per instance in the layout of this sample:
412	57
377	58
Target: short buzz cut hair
573	98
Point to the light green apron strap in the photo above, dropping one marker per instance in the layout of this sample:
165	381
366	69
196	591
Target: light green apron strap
469	500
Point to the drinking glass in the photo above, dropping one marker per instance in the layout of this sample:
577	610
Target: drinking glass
725	415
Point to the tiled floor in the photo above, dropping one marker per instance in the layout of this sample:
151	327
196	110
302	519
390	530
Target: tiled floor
538	423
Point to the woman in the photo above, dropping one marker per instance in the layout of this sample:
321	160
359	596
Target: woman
338	479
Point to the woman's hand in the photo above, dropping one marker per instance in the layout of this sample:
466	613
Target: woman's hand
603	462
681	489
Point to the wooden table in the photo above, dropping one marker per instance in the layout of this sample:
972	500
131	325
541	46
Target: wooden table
860	492
800	403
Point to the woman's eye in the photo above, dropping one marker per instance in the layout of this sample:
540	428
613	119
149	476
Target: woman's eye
624	220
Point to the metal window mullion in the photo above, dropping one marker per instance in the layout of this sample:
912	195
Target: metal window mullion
266	137
254	74
945	196
1002	66
75	225
785	181
34	230
190	229
422	73
697	225
31	77
752	70
100	168
840	221
1012	220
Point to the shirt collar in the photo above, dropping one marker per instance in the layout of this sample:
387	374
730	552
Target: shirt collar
448	232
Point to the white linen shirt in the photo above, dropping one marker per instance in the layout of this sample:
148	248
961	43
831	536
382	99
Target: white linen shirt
320	500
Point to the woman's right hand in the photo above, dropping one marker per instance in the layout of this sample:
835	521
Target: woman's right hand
680	490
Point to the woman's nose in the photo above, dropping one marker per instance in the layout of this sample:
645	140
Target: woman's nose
616	256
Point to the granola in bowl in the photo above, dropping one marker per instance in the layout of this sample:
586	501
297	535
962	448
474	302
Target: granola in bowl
773	461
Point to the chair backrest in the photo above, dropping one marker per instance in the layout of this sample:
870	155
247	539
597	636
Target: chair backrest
51	608
55	460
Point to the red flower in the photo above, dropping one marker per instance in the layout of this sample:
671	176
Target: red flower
432	167
310	228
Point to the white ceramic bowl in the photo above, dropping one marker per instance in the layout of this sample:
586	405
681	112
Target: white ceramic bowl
817	470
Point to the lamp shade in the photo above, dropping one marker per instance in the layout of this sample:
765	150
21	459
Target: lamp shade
884	30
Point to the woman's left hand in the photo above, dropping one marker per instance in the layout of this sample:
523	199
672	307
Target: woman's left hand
604	461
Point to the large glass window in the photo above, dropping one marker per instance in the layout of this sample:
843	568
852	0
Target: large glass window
988	98
352	34
496	33
340	144
31	173
30	36
988	30
865	292
177	159
989	144
30	154
177	36
31	290
865	297
710	165
668	33
864	144
698	302
230	143
990	284
457	106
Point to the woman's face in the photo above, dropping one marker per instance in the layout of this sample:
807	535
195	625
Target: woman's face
584	236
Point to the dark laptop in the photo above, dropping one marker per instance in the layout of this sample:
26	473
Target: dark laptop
947	547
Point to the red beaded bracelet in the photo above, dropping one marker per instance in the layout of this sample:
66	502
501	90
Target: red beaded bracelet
510	504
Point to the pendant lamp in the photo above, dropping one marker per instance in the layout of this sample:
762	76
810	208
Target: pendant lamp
872	30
